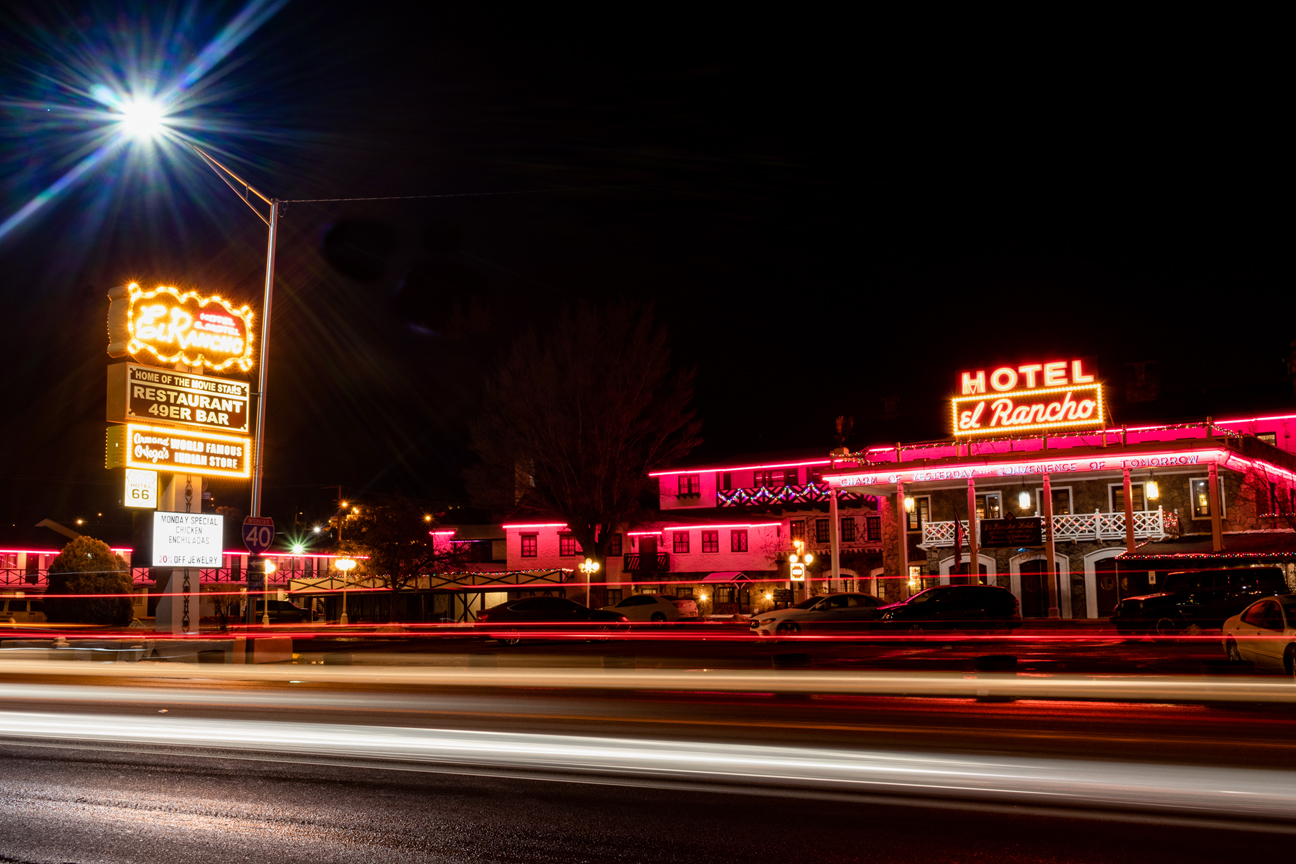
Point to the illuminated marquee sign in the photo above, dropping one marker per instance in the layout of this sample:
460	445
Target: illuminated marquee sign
152	395
174	327
1036	397
178	451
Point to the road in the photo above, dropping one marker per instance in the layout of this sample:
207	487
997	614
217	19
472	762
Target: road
194	765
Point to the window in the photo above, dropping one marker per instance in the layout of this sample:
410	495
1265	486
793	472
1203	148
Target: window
920	514
724	594
680	543
529	544
990	505
848	529
768	479
873	528
614	544
821	530
790	477
798	529
738	540
1199	492
689	485
1118	497
614	596
814	474
567	545
1269	438
1062	500
1256	616
725	480
710	541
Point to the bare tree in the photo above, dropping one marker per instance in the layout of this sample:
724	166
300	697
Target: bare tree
575	419
394	537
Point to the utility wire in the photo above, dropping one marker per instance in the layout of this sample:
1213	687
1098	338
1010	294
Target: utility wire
453	195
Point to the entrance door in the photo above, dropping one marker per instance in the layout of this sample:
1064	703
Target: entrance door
648	553
1108	592
1034	588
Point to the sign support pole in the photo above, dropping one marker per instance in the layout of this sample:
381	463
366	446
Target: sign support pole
834	525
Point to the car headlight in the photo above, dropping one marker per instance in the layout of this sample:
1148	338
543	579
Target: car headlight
767	622
887	616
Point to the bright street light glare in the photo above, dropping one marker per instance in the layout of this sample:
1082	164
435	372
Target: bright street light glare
142	119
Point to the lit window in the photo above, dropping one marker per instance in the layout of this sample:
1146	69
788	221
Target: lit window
689	485
529	544
798	529
680	544
920	514
738	540
710	541
1199	490
567	545
873	525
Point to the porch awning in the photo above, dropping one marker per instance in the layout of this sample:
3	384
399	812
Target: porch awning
727	576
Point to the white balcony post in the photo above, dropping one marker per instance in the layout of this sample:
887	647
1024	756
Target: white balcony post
1129	510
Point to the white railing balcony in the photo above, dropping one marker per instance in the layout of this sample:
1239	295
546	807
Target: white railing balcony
1148	525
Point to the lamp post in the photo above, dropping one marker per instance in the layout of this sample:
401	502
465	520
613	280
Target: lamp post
346	565
797	562
270	568
588	568
225	174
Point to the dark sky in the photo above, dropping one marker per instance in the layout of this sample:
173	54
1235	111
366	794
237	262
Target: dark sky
826	207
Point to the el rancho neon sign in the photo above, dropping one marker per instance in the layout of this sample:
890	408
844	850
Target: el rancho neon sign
1035	397
168	326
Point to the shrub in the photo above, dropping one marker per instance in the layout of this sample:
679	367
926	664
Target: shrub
88	567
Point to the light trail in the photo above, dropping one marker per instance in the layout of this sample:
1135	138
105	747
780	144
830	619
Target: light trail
1208	792
459	672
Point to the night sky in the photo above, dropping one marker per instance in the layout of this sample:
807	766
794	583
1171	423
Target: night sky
827	208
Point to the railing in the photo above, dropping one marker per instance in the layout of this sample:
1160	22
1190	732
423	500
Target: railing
1148	525
638	563
756	496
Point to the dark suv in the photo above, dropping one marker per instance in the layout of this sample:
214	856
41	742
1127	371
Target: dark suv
1201	597
953	607
284	612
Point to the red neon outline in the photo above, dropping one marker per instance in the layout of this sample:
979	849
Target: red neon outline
739	468
537	525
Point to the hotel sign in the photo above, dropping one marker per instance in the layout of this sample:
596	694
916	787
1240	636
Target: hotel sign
178	451
170	326
151	395
999	533
1033	398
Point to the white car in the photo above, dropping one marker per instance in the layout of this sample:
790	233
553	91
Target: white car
1265	634
20	610
649	607
821	612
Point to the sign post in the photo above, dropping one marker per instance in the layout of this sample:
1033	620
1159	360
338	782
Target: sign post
258	536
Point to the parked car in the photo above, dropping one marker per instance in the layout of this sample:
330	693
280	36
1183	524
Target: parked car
687	606
821	612
285	612
952	608
1265	634
652	607
21	610
512	620
1202	597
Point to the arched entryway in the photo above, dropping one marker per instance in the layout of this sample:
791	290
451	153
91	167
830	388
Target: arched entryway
1028	577
986	565
1101	591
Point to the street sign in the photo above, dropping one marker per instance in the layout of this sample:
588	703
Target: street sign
258	533
187	539
141	489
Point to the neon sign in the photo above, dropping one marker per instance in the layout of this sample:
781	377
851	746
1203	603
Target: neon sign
175	327
1035	397
178	451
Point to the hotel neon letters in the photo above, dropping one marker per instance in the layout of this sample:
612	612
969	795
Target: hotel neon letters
175	327
1035	397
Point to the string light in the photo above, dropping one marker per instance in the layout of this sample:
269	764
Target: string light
144	335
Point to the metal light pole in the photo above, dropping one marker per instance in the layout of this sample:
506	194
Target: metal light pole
346	565
225	174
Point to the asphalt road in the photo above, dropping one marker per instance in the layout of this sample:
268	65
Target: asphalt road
135	769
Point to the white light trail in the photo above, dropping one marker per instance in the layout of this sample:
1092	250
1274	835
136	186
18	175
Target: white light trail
1212	792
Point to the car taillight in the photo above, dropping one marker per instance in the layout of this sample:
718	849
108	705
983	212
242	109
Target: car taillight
482	616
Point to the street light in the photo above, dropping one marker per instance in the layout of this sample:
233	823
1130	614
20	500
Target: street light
269	567
142	121
346	565
588	567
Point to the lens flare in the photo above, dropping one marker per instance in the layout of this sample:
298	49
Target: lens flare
142	119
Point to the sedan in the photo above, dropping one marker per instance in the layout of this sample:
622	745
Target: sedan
821	612
651	607
513	619
1265	634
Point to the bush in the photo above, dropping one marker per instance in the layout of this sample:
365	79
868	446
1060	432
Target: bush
88	567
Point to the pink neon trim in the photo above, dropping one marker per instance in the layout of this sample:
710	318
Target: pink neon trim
703	528
1256	419
739	468
54	551
960	470
538	525
442	533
